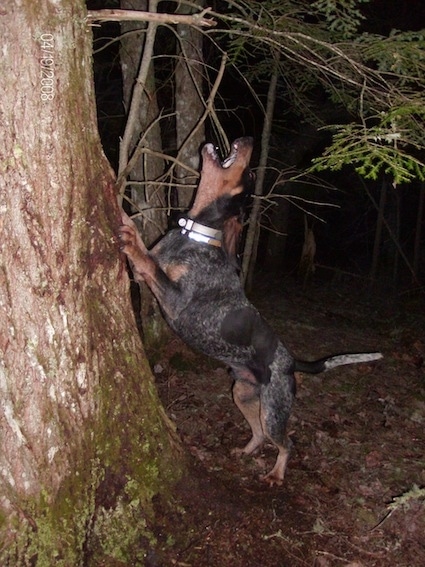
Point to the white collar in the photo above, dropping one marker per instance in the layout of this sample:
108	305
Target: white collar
199	232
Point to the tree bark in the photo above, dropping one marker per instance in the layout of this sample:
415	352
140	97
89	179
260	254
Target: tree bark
253	234
147	196
190	105
83	435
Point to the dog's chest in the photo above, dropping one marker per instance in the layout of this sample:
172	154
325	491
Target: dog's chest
207	288
191	263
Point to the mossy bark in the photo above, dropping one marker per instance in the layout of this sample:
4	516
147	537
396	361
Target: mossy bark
84	444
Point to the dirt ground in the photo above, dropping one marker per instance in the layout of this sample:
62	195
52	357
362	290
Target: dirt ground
354	491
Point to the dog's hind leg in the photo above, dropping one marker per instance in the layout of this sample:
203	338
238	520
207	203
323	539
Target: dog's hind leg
275	401
246	395
267	417
276	475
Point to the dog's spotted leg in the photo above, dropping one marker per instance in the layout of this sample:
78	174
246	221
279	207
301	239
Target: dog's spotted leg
276	400
276	475
246	395
146	269
264	425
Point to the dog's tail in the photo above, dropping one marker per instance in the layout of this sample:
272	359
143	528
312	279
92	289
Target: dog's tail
329	362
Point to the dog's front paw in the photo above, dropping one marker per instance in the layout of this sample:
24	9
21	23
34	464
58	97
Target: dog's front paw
130	242
135	250
127	239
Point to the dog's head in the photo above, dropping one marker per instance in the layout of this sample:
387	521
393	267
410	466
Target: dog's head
222	181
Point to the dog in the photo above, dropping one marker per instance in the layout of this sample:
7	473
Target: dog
193	273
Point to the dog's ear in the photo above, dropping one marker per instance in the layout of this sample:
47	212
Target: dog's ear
231	236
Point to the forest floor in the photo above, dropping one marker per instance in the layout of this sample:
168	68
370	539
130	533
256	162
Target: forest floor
354	490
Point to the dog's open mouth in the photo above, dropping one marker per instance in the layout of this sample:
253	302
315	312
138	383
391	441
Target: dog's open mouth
236	148
232	157
221	178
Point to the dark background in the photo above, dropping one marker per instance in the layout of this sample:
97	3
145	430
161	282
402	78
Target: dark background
344	235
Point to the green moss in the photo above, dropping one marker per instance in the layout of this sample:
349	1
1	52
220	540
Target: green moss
104	507
97	515
155	332
123	533
47	536
127	455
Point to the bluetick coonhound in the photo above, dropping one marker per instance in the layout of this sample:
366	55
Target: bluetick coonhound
192	272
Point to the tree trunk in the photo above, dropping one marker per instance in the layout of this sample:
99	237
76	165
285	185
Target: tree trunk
418	234
378	232
147	194
189	106
84	441
253	234
396	262
147	197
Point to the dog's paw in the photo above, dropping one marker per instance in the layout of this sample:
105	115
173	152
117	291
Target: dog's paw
252	447
126	236
130	241
272	479
132	246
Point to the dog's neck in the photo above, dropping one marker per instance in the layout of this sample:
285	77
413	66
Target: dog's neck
211	224
200	232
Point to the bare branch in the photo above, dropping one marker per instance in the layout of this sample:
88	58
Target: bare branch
198	20
137	93
251	245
